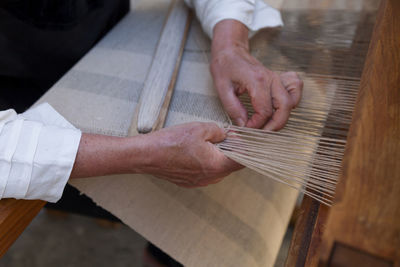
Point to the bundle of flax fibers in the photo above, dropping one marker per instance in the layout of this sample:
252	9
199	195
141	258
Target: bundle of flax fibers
242	220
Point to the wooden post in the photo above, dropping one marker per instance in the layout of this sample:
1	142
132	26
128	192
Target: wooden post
363	226
365	220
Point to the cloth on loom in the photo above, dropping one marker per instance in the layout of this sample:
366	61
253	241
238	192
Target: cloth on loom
238	222
49	25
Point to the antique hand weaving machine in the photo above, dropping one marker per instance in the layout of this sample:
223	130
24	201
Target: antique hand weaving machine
242	220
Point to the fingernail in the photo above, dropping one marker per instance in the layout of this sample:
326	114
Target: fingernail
240	122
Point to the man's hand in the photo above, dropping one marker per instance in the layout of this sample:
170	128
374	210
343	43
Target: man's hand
184	155
235	72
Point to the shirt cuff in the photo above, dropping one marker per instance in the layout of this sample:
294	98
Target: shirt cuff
255	14
38	152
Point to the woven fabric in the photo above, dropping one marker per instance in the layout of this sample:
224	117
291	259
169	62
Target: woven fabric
238	222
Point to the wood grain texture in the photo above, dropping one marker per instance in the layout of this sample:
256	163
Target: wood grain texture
306	239
160	81
15	216
344	256
366	215
312	217
167	99
303	232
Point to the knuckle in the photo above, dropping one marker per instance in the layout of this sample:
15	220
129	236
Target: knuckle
209	128
259	76
194	127
269	112
286	102
266	113
202	128
300	84
216	66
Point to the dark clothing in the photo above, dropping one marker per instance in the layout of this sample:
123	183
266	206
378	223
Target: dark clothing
41	39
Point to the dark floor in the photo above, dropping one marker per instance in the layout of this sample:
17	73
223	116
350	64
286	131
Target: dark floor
64	239
74	240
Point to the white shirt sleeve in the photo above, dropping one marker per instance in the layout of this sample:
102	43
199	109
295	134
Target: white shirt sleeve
37	153
255	14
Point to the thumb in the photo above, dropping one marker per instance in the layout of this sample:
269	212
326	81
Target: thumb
213	133
293	85
231	103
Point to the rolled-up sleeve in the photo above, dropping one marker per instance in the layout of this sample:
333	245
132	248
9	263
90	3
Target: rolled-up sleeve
255	14
37	153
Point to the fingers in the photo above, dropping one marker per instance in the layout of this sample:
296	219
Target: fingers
188	157
213	133
222	163
231	103
231	165
260	96
282	103
285	92
294	86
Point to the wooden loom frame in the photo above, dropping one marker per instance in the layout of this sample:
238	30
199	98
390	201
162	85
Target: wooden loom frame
317	237
310	247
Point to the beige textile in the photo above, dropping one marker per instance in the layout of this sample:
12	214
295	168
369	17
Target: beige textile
240	221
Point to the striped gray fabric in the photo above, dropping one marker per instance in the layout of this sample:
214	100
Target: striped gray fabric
238	222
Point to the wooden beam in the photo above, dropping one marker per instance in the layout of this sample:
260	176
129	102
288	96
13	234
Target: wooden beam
304	246
312	217
365	219
15	216
160	81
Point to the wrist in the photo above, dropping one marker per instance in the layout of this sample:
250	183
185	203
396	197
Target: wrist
229	35
140	153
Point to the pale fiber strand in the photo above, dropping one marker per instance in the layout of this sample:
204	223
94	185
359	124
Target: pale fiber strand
298	155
